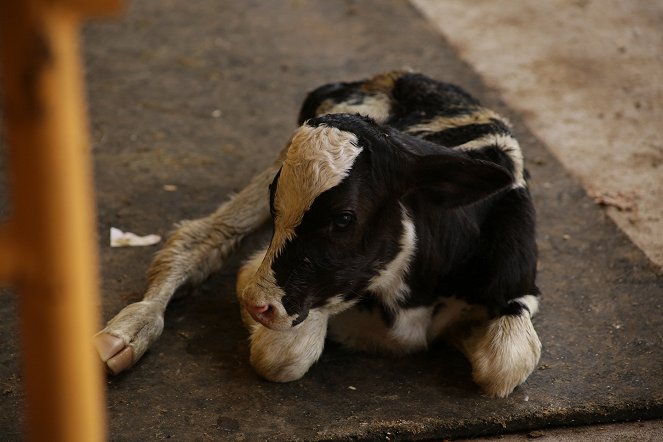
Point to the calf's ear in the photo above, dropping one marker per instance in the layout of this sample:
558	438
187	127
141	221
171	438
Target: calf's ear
453	180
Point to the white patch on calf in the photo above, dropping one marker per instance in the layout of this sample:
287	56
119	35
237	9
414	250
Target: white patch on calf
415	328
509	145
337	304
362	329
438	124
376	107
411	327
389	284
531	302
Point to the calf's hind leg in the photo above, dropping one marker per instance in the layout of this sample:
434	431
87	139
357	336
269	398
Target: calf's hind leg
504	351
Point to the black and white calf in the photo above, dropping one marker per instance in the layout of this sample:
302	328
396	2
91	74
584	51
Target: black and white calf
401	215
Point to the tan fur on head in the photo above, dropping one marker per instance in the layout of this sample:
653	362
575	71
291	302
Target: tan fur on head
318	159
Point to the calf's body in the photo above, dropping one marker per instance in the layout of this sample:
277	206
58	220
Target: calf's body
401	215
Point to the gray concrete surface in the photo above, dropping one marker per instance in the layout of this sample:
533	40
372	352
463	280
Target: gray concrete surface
200	95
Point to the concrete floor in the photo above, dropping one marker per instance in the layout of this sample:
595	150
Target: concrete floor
200	96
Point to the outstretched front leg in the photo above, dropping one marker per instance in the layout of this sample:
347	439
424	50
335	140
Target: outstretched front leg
505	350
193	251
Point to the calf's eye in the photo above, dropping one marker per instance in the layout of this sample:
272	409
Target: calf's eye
342	220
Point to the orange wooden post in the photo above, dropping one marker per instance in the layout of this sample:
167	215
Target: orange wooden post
48	248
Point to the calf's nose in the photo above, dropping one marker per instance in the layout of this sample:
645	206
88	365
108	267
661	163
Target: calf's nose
257	309
262	313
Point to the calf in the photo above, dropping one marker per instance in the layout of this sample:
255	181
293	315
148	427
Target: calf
401	215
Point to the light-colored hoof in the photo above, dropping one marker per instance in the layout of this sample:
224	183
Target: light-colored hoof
128	335
114	353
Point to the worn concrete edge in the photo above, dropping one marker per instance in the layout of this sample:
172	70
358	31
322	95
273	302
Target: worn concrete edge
440	428
642	430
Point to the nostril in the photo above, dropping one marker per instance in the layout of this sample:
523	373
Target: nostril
269	312
261	308
262	313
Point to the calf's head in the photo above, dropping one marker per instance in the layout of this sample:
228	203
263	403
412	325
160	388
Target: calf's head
339	216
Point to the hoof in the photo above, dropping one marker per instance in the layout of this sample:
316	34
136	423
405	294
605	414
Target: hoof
114	353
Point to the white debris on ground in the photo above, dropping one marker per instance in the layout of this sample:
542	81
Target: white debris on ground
118	238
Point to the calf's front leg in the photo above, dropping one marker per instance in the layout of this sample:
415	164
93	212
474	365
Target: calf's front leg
504	351
284	356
